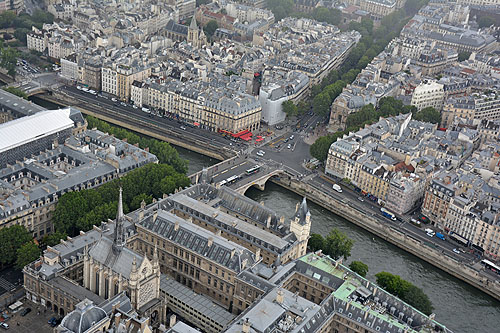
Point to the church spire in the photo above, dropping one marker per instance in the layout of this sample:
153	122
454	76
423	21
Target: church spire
193	24
119	238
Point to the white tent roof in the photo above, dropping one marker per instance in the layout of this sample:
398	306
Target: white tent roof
23	130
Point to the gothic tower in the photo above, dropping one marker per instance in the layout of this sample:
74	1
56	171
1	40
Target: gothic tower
300	225
119	237
193	33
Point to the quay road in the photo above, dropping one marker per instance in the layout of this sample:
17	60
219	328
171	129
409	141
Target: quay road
286	152
153	122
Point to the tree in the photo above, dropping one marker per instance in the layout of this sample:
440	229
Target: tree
210	28
359	267
81	210
405	290
316	242
462	56
11	239
337	244
289	108
321	104
280	8
8	60
429	115
16	91
53	238
26	254
486	21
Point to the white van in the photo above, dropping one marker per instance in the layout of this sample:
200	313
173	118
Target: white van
337	188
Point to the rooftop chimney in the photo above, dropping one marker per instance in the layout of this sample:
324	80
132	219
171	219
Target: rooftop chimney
210	241
173	320
280	296
118	316
246	326
176	227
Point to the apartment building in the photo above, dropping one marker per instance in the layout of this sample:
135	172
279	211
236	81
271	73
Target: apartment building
215	106
428	94
473	107
438	195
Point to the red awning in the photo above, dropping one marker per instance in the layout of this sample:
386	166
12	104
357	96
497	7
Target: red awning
244	132
246	136
196	124
259	139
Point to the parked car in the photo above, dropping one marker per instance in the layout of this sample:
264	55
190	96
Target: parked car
289	146
25	312
456	251
5	326
53	322
183	128
361	199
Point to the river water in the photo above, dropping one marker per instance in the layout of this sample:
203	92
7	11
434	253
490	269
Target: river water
459	306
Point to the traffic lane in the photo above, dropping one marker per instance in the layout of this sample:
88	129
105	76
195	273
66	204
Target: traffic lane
149	117
145	125
238	169
202	134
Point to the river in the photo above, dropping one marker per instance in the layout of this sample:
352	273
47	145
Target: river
457	305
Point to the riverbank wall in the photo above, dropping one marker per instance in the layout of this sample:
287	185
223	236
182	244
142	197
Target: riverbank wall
394	236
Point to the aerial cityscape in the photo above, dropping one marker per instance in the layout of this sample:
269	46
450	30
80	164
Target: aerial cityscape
255	166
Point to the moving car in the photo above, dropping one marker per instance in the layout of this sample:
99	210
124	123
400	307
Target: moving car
456	251
337	188
289	146
361	199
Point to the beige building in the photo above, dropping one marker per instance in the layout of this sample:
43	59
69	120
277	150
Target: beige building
212	108
487	234
117	79
457	107
428	94
89	73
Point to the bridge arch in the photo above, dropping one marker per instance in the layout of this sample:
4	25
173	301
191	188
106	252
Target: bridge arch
259	183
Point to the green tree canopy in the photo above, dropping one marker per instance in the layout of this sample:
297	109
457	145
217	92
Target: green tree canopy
337	244
321	104
210	28
53	238
486	21
289	108
11	239
280	8
429	115
8	60
405	290
330	16
28	252
81	210
16	91
462	56
359	267
316	242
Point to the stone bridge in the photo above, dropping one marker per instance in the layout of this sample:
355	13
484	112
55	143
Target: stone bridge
259	181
